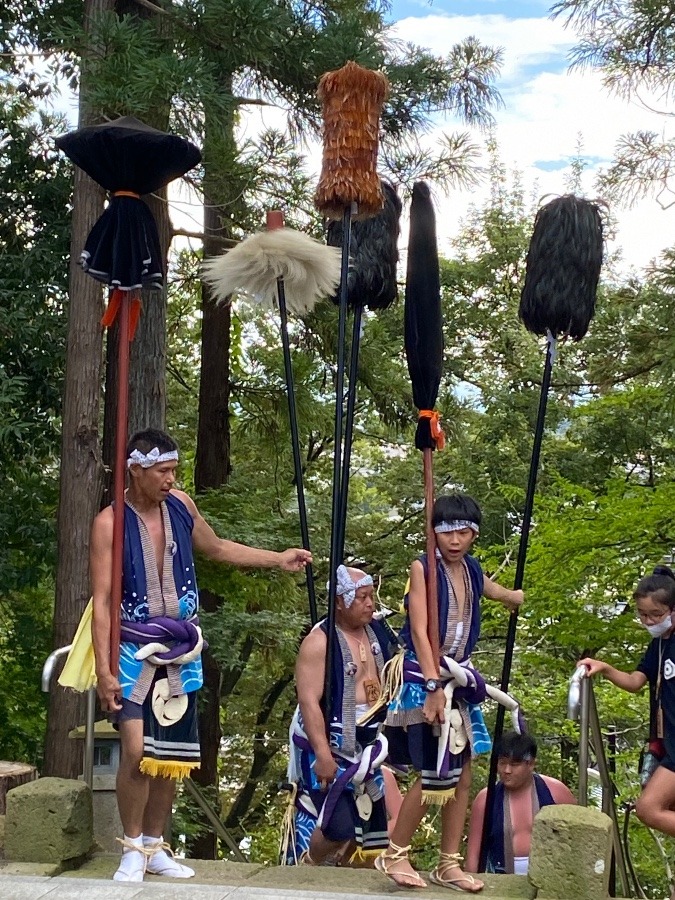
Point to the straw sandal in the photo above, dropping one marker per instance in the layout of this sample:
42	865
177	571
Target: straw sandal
447	862
389	858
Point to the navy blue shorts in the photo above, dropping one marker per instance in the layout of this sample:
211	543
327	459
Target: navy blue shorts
343	822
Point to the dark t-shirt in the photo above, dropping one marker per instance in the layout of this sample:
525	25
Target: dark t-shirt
649	666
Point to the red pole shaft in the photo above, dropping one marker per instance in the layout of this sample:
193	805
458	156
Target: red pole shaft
433	630
119	476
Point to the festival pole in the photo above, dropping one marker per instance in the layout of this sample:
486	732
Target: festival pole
352	98
371	283
557	301
289	269
424	353
128	158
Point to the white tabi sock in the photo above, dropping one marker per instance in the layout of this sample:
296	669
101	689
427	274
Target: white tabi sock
132	864
159	861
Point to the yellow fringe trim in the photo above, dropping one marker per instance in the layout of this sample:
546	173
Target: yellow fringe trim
438	798
361	855
163	769
390	686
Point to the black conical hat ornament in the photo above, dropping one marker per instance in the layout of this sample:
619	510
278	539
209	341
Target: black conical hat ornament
127	158
563	268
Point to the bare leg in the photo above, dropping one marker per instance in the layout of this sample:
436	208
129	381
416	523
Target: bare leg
320	848
132	796
132	785
160	801
453	819
656	804
409	817
158	807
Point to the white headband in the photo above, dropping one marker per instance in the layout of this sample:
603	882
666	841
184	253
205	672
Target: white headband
146	460
347	588
456	525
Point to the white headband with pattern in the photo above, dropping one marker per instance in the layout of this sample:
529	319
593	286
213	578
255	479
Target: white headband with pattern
347	587
456	525
146	460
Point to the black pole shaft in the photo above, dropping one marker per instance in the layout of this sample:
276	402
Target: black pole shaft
517	585
349	427
337	454
295	440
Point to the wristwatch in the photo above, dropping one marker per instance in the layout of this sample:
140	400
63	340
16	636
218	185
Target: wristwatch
432	685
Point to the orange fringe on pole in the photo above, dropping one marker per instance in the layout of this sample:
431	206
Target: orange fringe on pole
352	99
435	426
112	310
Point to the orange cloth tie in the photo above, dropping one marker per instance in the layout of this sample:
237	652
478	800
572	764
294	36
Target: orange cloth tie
113	308
126	194
435	425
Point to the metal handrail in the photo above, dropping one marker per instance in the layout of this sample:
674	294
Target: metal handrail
218	826
581	706
47	675
50	662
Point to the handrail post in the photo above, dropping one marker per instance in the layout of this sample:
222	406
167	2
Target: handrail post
88	766
584	728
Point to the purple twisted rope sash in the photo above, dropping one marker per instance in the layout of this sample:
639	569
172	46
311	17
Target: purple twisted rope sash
165	630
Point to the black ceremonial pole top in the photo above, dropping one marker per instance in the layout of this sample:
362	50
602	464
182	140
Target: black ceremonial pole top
128	159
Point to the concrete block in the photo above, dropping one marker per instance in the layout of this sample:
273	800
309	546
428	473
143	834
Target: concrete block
49	821
570	853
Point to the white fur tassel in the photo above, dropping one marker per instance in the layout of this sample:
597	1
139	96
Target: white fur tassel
309	268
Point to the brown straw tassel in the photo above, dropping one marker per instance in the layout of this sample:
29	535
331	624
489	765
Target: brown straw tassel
352	99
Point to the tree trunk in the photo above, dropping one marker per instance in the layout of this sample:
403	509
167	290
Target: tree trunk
81	470
212	462
13	774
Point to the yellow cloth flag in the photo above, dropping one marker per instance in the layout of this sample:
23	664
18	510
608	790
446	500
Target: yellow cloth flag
79	672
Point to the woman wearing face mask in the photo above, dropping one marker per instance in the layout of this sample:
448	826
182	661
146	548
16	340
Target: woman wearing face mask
655	601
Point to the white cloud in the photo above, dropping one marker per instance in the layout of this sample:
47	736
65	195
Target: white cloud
546	109
527	41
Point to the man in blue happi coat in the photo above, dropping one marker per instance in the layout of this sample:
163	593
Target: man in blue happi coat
153	700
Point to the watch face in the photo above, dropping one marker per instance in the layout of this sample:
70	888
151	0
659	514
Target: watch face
431	685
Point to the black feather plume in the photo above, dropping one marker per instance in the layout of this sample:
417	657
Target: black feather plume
423	322
563	268
373	254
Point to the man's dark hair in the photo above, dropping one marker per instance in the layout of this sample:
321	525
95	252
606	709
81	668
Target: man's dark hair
517	746
455	506
147	440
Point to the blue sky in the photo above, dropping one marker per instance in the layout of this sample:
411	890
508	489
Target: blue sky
547	108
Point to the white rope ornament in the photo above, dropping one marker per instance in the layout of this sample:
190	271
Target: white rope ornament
151	458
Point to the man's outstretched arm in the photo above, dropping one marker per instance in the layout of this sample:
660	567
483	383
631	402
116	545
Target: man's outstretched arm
207	542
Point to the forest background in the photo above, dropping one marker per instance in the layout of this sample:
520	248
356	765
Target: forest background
213	376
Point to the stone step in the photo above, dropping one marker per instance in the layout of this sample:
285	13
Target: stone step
220	880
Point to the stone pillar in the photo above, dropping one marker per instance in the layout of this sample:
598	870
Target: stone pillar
571	853
48	821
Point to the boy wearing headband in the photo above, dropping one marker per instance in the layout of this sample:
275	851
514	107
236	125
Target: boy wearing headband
154	697
417	714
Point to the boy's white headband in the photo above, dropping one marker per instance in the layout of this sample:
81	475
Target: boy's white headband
456	525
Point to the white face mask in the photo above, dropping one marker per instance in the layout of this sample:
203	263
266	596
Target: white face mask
660	628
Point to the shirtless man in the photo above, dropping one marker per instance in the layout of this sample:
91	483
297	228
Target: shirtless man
519	794
162	527
360	650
